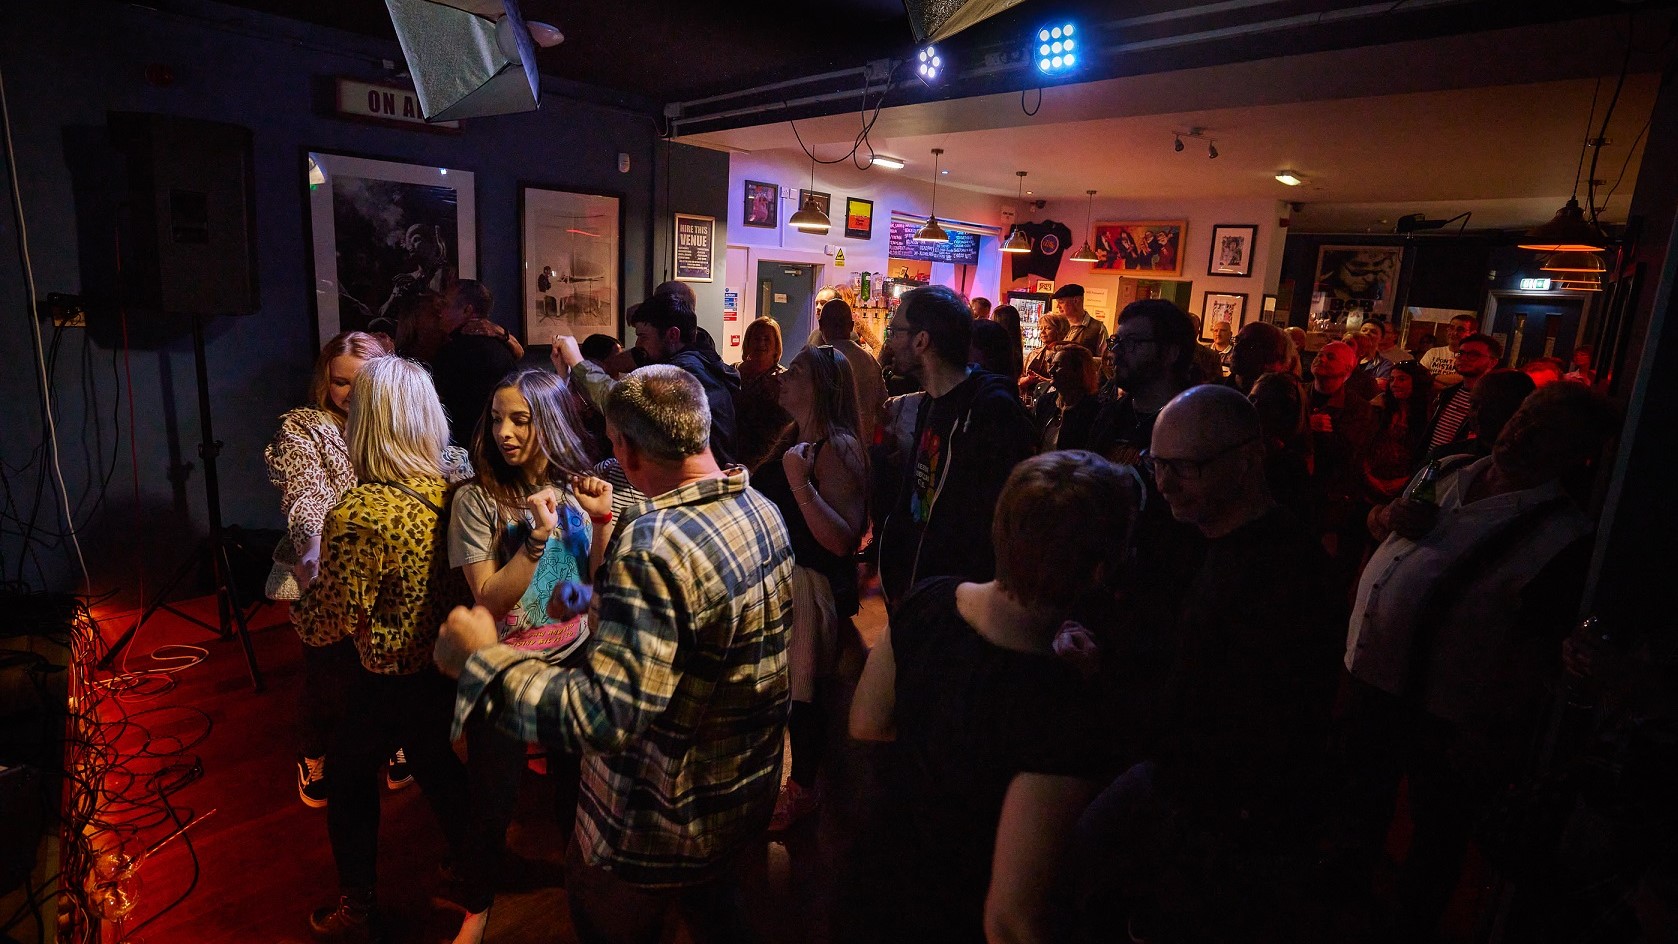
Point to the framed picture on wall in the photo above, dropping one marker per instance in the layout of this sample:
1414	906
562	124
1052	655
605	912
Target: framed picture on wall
1227	308
572	245
859	218
1356	278
1232	250
763	205
1151	247
824	201
388	238
695	247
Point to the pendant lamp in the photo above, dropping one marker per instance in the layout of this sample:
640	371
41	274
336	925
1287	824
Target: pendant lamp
1085	253
1567	231
1018	241
1570	261
930	231
810	218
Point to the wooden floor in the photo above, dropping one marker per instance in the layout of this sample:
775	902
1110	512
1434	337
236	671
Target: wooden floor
262	859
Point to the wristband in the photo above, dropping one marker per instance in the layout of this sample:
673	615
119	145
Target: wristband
601	520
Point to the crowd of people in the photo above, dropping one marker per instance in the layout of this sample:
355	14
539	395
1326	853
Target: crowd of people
1168	624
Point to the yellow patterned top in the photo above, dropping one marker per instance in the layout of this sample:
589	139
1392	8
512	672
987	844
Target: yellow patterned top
384	576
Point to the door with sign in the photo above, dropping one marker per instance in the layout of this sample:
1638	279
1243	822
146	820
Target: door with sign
786	292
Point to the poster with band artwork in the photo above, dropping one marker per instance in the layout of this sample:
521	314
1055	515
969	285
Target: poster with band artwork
389	240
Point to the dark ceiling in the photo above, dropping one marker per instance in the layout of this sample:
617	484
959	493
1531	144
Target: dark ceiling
671	50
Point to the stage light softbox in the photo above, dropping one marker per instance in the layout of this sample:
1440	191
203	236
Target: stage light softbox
458	68
937	20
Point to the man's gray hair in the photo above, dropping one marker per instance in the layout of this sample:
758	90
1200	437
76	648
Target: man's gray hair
661	410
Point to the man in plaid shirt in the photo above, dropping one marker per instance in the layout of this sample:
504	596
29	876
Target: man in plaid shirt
680	708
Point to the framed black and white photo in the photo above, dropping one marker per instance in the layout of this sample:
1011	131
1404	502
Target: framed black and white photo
1232	250
1361	279
695	247
572	250
389	239
1221	308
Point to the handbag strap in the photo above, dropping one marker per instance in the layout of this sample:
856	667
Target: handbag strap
435	508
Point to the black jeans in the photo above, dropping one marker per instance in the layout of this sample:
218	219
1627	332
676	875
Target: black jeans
328	672
607	910
495	764
382	713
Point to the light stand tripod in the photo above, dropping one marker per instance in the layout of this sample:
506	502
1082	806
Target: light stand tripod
214	546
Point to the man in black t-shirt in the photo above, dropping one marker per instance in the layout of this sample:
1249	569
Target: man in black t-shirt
969	434
476	355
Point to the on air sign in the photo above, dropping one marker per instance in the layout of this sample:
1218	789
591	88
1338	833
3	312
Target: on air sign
385	104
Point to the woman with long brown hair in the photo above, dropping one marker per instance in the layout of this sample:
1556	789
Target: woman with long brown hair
818	478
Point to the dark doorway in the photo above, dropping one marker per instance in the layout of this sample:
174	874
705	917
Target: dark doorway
786	292
1531	328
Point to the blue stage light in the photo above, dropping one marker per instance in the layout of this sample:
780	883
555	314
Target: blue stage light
1058	51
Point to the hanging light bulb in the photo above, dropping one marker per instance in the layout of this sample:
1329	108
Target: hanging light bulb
1018	241
810	218
930	231
1085	253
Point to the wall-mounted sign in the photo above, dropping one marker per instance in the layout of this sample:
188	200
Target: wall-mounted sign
839	258
695	247
960	249
1535	285
385	104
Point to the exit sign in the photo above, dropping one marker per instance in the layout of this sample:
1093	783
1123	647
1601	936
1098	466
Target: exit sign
1535	285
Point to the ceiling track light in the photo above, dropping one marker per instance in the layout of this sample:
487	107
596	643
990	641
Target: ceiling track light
930	231
1085	253
1211	150
1177	143
1018	241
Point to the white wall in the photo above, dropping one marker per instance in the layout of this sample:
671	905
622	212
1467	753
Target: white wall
1202	215
908	191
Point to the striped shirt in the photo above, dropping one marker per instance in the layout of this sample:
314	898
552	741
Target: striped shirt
680	708
1447	426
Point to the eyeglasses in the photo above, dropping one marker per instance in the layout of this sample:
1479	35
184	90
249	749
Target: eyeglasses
1187	470
1126	345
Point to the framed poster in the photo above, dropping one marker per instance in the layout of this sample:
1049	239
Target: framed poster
1217	308
1151	247
824	201
572	248
859	218
388	239
1355	279
763	205
1232	250
695	245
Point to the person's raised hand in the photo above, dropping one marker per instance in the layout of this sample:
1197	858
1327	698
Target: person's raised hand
465	632
796	462
565	354
593	493
543	506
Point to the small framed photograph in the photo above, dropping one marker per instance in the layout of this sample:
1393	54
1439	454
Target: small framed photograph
1221	308
1232	250
824	201
763	205
859	218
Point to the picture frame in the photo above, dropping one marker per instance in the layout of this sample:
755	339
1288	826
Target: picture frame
1355	279
1140	247
1221	308
387	239
571	247
859	218
695	247
1231	252
762	205
824	201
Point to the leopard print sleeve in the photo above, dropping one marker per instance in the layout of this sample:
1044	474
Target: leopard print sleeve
309	463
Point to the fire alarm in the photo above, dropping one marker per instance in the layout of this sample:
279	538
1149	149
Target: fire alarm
623	162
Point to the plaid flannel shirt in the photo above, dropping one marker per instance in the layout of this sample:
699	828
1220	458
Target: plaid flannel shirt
680	708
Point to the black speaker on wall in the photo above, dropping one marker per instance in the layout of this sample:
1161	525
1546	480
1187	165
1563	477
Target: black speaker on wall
188	239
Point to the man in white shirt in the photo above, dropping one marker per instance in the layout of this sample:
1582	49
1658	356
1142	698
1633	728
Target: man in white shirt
1441	361
836	325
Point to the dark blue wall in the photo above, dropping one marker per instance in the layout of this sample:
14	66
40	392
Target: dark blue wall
65	65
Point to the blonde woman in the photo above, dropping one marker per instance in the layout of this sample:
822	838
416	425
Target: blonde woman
385	579
310	465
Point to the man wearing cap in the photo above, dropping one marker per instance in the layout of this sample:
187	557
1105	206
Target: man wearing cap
1069	301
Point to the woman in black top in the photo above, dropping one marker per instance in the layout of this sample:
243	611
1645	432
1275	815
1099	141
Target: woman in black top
758	417
818	478
996	743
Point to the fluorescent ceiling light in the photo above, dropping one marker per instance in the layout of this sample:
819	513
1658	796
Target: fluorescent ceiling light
1290	177
885	161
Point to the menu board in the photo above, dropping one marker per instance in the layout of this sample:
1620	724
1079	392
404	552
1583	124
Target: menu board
960	248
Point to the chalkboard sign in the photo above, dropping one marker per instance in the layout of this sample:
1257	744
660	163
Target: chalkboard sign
961	248
695	240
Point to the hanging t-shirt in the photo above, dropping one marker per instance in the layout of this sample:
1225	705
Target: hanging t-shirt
1049	241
